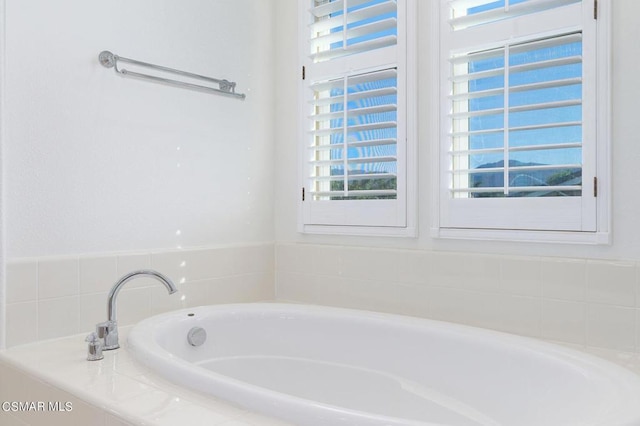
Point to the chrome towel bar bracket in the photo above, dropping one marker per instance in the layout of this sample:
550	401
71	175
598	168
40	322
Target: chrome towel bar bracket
225	87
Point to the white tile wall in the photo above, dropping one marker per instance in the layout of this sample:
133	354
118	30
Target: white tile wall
590	303
58	317
55	297
564	321
521	315
97	274
521	276
564	279
638	330
22	322
57	278
611	327
25	273
612	283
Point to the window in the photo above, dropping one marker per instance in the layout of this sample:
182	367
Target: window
520	124
356	161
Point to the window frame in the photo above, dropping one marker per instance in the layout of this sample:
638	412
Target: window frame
352	217
602	134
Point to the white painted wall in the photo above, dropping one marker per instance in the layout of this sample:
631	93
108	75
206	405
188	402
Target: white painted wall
3	289
94	162
626	150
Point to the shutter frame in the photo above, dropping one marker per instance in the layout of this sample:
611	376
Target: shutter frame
376	214
455	213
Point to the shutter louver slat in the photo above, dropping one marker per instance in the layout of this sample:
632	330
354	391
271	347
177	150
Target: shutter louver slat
355	161
355	96
358	177
518	48
524	189
323	9
363	30
521	68
357	128
546	43
364	46
356	112
372	142
520	168
357	79
517	149
520	88
381	194
521	108
515	129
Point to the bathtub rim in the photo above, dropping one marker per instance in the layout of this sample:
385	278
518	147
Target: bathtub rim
626	380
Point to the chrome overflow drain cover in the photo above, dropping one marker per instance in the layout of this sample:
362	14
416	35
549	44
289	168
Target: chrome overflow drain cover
196	336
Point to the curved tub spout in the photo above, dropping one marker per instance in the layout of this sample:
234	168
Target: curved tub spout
108	330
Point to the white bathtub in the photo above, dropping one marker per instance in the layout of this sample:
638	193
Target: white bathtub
323	366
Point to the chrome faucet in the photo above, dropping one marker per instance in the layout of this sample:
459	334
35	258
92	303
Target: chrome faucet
108	330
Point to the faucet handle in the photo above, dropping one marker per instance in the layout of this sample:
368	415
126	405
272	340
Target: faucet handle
108	331
103	328
94	351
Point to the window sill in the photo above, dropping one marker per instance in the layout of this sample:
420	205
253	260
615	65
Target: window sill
368	231
556	237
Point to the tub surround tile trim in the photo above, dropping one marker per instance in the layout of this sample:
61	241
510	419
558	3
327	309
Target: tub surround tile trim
58	317
521	276
97	274
612	327
612	283
59	296
564	279
564	321
638	287
589	303
22	322
57	278
638	331
22	281
575	301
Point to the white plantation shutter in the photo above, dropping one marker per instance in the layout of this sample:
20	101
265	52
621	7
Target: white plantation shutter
518	121
354	133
